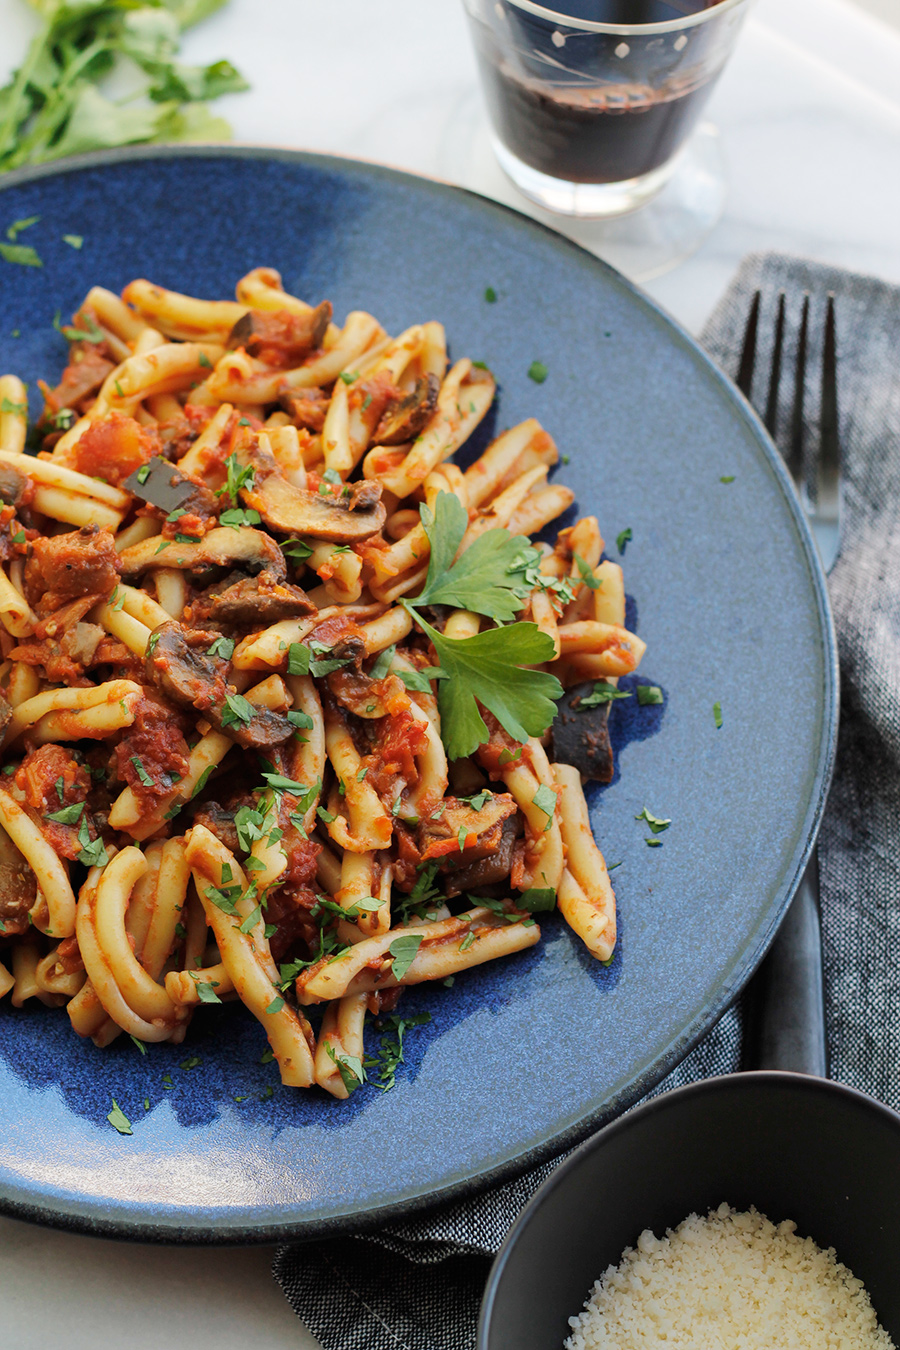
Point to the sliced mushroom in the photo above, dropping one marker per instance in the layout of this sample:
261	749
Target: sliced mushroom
404	417
245	549
258	600
288	335
167	488
12	485
581	735
305	407
355	515
190	677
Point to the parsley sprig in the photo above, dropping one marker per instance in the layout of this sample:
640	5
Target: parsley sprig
490	668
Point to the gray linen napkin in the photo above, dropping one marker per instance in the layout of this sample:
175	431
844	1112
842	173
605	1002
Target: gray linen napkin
417	1284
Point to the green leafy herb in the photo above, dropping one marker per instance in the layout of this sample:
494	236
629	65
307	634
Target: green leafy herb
92	854
276	1005
255	914
15	409
545	800
202	781
298	659
143	473
73	240
69	815
656	823
88	331
623	538
282	784
206	989
538	372
418	681
53	106
486	579
191	1063
649	694
467	942
118	1119
21	254
141	772
140	1044
237	710
382	663
510	756
236	516
403	950
390	1053
603	692
222	647
204	361
535	900
490	294
361	774
727	478
717	715
353	1075
587	574
296	549
224	898
298	718
478	799
236	478
15	229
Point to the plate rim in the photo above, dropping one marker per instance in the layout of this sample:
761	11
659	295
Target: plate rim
88	1216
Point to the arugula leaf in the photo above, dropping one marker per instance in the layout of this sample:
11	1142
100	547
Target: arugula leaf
489	667
403	950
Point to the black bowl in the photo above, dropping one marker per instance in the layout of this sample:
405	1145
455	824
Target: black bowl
795	1147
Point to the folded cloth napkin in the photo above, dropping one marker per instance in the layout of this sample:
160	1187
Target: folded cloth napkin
417	1284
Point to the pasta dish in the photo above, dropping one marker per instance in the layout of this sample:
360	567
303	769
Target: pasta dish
293	710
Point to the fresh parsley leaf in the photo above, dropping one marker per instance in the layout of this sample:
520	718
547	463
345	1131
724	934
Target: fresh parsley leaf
276	1005
382	663
587	574
296	549
403	950
93	853
545	800
536	900
649	694
141	772
15	409
467	943
237	516
202	781
190	1063
390	1052
727	478
140	1044
282	784
485	579
224	898
490	294
69	815
222	647
236	478
298	718
118	1119
416	681
624	537
237	709
25	256
89	332
490	668
143	473
298	659
717	715
75	241
601	693
353	1075
16	228
657	824
538	372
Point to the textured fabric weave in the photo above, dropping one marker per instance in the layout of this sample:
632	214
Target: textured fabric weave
417	1285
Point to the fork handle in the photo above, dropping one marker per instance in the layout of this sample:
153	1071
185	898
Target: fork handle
785	1000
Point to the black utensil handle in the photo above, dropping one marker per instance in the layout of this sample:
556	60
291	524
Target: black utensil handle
785	1007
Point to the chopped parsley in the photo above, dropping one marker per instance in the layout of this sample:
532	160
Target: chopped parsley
222	647
296	549
350	1068
536	900
15	409
587	573
69	815
236	478
237	710
143	473
276	1005
403	950
298	718
545	800
191	1063
717	715
141	772
727	478
73	240
538	372
622	538
93	853
603	692
649	694
390	1052
118	1119
237	516
657	823
490	294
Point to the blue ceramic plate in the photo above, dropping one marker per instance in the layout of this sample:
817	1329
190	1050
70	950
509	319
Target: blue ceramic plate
526	1056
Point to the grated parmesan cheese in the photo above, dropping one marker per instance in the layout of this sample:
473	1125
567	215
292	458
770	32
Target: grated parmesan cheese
730	1281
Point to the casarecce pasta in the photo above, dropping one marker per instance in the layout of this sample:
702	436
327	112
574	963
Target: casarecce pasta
278	677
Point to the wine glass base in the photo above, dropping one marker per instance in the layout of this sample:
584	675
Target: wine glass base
586	201
668	226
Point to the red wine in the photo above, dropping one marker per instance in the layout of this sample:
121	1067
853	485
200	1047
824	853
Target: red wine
603	134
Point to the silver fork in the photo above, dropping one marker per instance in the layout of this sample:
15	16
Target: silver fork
784	1004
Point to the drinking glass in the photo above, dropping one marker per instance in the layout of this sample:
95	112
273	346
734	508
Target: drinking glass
590	101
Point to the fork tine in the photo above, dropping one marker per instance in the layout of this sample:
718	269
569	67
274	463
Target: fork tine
744	378
794	457
771	417
829	465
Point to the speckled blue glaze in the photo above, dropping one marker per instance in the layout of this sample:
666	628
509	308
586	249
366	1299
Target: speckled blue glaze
528	1055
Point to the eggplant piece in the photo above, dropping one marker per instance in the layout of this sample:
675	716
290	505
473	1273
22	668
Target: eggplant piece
305	407
580	737
258	600
487	871
160	484
12	484
191	678
292	335
438	836
404	417
245	549
355	515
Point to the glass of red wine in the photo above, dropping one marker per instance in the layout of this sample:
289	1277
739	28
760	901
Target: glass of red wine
591	101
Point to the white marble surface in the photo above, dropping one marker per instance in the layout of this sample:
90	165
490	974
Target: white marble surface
809	113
